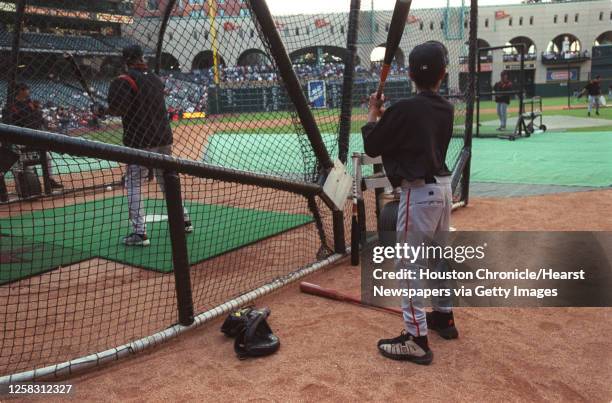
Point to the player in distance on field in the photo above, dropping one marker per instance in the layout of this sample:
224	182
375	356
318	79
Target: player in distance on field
138	98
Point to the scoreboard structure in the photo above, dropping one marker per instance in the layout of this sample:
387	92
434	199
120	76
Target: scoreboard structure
120	12
121	7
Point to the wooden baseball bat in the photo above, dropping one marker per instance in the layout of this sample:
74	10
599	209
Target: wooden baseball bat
396	30
79	75
313	289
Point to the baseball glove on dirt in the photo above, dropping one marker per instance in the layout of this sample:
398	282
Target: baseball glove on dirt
256	338
236	321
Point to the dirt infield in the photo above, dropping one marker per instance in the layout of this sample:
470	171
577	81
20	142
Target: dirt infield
329	349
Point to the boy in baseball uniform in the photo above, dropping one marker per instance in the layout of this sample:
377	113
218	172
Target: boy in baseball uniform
412	137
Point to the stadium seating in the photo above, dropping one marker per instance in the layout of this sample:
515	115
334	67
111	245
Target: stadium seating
66	42
5	39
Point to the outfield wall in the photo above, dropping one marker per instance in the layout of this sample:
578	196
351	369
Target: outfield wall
271	98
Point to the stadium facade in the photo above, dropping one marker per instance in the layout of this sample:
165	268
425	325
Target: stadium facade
559	36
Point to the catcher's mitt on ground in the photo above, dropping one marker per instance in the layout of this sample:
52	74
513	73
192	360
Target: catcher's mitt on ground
254	338
236	321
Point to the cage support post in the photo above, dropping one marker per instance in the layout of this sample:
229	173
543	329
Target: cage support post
180	258
162	33
292	83
569	84
15	48
522	85
339	238
473	91
44	162
346	111
12	78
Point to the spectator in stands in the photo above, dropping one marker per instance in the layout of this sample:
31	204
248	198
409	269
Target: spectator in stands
138	97
24	112
593	90
502	99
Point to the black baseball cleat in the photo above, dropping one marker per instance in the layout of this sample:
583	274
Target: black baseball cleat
443	324
188	227
407	347
135	239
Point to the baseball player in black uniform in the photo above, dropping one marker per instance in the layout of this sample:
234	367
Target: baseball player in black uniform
24	112
593	90
412	137
502	99
138	97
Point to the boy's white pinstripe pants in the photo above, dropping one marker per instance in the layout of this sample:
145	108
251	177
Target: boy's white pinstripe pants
424	213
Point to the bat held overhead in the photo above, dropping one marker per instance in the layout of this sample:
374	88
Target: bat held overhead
396	31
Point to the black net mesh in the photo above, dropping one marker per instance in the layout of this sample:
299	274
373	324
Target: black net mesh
69	284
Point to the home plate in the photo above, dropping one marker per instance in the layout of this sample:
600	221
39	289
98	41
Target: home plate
155	218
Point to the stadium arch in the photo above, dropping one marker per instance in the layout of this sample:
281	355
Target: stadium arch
555	46
253	57
168	62
318	54
205	60
604	39
486	65
378	54
530	47
488	56
511	57
601	62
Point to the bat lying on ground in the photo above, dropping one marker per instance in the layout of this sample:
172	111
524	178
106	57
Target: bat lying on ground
313	289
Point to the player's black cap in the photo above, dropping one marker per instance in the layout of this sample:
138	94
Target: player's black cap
428	60
132	53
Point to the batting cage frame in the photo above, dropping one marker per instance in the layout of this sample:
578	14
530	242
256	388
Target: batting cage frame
250	195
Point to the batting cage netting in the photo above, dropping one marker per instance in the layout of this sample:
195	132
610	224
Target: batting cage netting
122	220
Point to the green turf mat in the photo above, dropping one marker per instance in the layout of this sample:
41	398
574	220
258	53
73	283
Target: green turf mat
96	229
22	257
570	159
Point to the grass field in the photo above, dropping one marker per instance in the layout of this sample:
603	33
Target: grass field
113	136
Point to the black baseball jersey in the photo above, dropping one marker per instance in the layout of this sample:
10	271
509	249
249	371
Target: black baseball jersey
138	97
593	88
501	87
412	137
